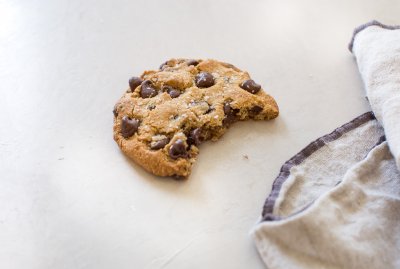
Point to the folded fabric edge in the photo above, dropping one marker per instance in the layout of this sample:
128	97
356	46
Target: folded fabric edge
274	240
267	213
366	25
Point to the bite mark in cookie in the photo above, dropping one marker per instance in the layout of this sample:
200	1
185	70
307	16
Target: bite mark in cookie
166	114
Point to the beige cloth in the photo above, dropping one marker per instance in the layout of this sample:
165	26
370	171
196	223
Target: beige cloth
377	50
336	204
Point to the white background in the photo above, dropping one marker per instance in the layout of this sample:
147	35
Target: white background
70	199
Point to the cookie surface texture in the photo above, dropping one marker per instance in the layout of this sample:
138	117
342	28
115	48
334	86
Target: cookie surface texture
166	114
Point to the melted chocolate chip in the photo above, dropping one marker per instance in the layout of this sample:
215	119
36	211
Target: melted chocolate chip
255	110
192	62
178	150
159	144
129	126
250	86
204	80
171	91
195	137
134	82
230	114
147	89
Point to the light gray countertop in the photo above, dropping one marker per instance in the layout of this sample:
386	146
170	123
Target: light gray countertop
68	196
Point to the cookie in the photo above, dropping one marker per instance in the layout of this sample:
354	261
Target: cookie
166	114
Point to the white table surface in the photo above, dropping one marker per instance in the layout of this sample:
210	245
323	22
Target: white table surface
68	196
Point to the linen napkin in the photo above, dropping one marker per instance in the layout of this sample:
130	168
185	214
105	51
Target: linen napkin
336	204
377	49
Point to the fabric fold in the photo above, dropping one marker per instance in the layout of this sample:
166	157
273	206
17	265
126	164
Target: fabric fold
354	225
336	204
377	50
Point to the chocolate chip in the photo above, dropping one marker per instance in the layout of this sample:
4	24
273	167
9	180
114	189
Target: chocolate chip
115	111
163	65
159	144
147	89
178	150
129	126
134	82
171	91
250	86
228	120
227	109
230	114
256	110
195	137
204	80
174	93
192	62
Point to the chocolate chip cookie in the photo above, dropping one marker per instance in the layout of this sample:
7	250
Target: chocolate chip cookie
166	114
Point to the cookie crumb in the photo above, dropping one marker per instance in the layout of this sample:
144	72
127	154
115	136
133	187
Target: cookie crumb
245	156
